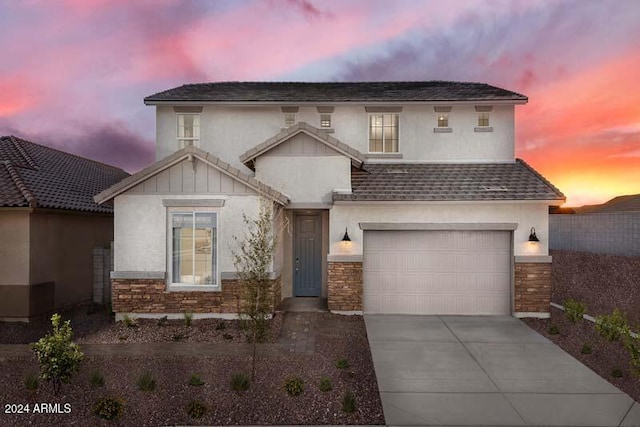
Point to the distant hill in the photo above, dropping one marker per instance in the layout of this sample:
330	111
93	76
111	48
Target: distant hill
617	204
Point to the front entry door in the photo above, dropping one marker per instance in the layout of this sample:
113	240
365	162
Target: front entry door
307	256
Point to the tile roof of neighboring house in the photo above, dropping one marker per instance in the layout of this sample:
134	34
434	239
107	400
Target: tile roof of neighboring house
178	156
32	175
336	92
357	158
626	203
448	182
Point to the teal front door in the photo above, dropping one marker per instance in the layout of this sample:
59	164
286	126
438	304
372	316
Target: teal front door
307	256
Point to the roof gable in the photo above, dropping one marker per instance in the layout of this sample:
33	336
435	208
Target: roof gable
33	175
153	179
278	92
287	135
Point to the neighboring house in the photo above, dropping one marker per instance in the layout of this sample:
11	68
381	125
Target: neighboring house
610	228
420	176
49	225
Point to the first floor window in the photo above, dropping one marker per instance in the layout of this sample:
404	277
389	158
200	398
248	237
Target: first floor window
188	129
443	120
194	248
383	133
483	119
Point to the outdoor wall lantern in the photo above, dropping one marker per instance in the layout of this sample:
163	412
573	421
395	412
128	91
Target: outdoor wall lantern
532	236
346	238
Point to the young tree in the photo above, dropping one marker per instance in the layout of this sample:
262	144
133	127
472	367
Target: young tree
57	354
252	260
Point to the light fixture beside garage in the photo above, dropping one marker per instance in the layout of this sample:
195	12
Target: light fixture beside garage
346	237
532	236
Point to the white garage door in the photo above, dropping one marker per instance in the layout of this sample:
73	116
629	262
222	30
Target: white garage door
437	272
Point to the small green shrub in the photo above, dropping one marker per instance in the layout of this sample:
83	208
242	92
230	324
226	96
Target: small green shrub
293	385
146	382
586	349
31	381
129	321
227	336
188	318
342	364
325	384
220	326
163	320
57	354
616	373
633	346
195	380
240	382
96	379
177	337
574	310
554	330
613	325
122	337
196	409
349	402
108	408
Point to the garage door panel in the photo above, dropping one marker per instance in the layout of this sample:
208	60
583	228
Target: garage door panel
437	272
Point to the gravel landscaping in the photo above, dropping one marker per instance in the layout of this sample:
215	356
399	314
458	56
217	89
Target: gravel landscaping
602	283
265	402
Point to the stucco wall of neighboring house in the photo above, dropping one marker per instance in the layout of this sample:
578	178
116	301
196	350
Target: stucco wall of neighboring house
228	132
61	253
604	233
141	229
526	215
14	263
305	179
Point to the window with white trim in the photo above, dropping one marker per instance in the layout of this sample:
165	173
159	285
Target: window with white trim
443	120
325	120
193	248
188	130
289	119
483	119
383	133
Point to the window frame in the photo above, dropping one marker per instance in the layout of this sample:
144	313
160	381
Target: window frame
482	117
195	140
325	121
289	117
443	120
369	127
179	286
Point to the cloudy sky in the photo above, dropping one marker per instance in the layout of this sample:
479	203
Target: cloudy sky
73	73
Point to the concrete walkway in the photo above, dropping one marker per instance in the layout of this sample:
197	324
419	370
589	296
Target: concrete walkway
490	371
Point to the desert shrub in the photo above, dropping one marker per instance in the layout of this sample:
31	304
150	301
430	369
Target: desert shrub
633	346
177	337
57	354
196	409
129	321
146	382
122	337
325	384
586	349
612	326
616	373
188	318
220	326
195	380
227	336
554	330
96	379
342	364
31	381
108	408
293	385
163	320
349	402
574	310
240	382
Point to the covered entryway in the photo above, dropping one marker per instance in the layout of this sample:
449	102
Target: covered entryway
437	272
307	255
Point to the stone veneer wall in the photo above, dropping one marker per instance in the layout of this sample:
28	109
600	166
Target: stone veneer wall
344	286
151	296
532	288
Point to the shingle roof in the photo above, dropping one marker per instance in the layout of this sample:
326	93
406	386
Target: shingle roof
237	174
449	182
335	92
32	175
357	158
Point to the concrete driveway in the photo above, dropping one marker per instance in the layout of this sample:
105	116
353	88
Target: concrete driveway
485	370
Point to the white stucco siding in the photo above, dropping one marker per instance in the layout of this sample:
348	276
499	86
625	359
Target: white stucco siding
229	131
525	215
305	179
141	229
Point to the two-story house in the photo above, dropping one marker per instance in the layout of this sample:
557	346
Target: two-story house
400	197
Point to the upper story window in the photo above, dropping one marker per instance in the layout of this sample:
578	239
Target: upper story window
442	124
443	120
383	132
188	130
325	120
484	118
289	119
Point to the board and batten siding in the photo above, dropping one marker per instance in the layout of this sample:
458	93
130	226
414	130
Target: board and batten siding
302	144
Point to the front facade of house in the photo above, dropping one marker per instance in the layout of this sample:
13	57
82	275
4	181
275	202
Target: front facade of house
421	177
